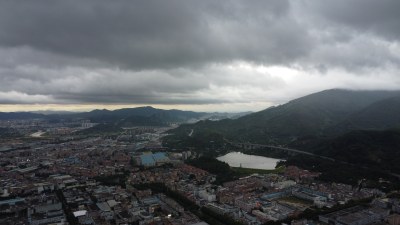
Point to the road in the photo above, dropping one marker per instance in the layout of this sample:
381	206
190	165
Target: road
254	146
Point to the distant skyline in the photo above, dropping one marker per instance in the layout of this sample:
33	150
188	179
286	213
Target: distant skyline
224	56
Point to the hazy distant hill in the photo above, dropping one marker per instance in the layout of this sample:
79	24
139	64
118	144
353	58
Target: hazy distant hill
132	116
20	115
310	115
113	120
53	112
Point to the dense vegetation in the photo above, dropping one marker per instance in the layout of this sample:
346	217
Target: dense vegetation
210	144
369	155
224	172
268	152
117	179
8	133
221	169
346	173
377	116
376	149
239	171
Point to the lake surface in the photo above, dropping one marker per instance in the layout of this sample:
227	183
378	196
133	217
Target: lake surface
235	159
38	134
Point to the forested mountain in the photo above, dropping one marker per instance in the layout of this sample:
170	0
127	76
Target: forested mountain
379	115
330	112
141	116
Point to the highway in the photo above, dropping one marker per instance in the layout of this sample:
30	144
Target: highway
255	146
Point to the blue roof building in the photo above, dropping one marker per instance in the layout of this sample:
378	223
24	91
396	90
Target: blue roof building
153	159
147	160
160	157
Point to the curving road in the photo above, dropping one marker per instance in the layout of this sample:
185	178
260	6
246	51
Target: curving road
253	146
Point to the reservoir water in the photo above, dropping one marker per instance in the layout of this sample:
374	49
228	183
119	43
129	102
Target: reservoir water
237	159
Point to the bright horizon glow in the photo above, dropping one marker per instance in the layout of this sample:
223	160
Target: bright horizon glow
265	87
230	108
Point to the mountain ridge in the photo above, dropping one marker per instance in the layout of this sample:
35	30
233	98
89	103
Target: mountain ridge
125	117
313	114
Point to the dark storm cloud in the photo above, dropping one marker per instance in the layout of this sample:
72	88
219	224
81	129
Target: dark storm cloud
379	17
355	35
189	51
154	34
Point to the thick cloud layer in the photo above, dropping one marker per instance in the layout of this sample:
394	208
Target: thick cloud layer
194	52
149	34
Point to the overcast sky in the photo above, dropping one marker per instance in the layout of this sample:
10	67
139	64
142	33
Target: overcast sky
198	55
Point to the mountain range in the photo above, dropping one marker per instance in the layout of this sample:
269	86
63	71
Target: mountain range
140	116
328	113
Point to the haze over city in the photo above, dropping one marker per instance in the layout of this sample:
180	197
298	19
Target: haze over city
192	55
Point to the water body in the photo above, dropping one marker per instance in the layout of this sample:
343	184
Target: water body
235	159
38	134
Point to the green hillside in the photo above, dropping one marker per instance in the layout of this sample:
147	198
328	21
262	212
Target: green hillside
380	115
375	149
313	115
370	155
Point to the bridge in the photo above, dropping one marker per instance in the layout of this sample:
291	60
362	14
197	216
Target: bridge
250	146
